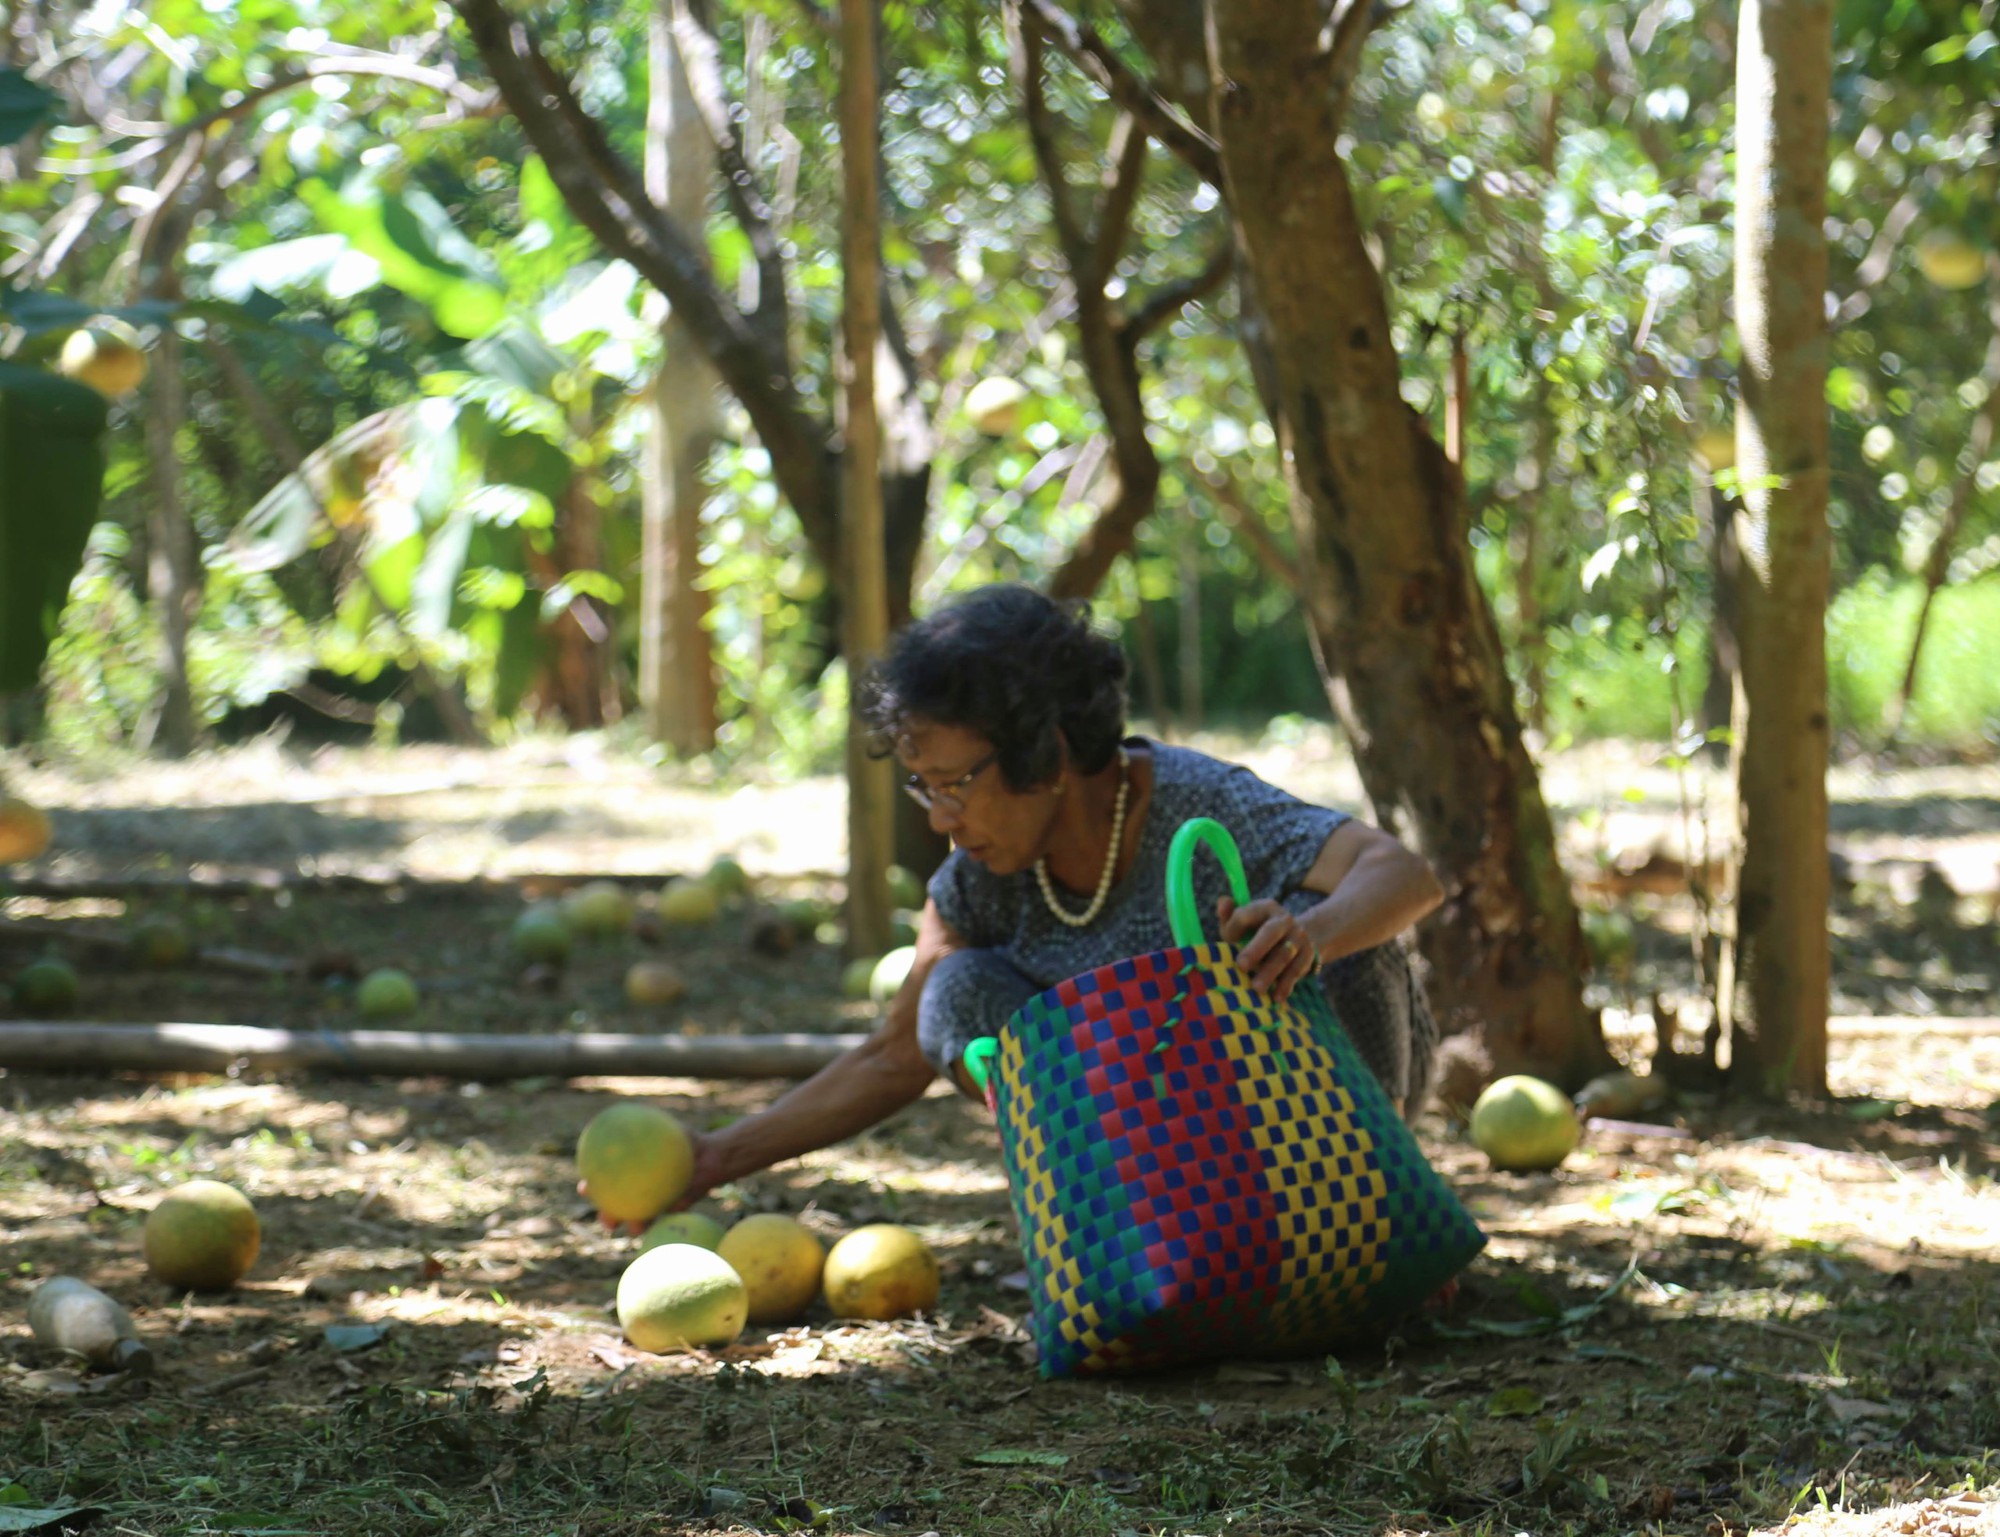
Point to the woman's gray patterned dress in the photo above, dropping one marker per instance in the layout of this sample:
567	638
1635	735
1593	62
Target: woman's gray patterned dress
1019	949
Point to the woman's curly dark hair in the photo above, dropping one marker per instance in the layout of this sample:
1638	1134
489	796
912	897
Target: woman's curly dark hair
1016	666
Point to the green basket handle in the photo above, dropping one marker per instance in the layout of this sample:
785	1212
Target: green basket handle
1182	912
978	1061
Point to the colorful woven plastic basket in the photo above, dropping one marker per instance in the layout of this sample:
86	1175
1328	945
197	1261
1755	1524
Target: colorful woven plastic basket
1200	1172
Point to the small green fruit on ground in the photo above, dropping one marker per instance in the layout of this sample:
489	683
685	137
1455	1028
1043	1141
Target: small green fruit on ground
905	890
881	1271
634	1160
46	987
653	984
681	1295
541	935
697	1228
385	994
24	831
860	972
890	972
598	910
727	879
689	902
160	944
1521	1123
203	1236
779	1262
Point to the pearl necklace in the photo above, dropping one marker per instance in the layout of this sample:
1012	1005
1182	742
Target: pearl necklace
1079	920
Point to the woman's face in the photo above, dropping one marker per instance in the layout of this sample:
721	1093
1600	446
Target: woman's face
956	769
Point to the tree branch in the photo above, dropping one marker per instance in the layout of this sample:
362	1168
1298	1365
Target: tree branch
1169	301
701	57
607	197
1349	33
1122	180
1031	77
1091	54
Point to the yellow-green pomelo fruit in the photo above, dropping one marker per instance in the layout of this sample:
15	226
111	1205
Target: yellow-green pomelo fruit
385	994
24	831
689	902
46	987
890	972
1949	260
881	1271
598	909
695	1227
99	356
160	944
680	1295
779	1262
634	1160
727	879
650	984
541	935
993	405
203	1236
905	889
1522	1123
1717	447
858	975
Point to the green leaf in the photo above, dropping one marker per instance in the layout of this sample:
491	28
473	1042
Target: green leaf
24	105
51	480
422	253
45	1518
1013	1457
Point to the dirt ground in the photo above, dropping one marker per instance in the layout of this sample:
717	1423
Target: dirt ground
1750	1319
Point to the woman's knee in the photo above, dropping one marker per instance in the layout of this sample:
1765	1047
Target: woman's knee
968	994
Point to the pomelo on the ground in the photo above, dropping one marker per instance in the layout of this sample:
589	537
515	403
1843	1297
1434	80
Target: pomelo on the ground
103	356
779	1262
906	889
727	879
541	935
679	1295
203	1236
1522	1123
881	1271
24	831
688	902
386	993
890	973
651	984
695	1227
46	987
598	909
161	944
806	914
635	1160
858	974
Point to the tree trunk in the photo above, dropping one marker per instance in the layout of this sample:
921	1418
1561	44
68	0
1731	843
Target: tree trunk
173	571
575	673
677	687
1774	982
1391	596
1725	655
865	606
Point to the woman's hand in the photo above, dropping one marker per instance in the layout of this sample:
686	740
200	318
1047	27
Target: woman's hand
1280	953
708	1172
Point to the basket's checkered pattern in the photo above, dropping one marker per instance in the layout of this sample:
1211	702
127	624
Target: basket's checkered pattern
1199	1172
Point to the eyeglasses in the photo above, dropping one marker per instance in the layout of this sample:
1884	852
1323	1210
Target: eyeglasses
950	796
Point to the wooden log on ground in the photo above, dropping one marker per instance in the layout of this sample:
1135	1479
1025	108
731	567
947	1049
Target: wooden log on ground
74	1048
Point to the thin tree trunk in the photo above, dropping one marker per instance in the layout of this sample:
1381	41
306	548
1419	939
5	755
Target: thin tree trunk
1189	611
173	572
677	686
865	606
1392	599
1979	442
1725	652
1774	983
576	671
